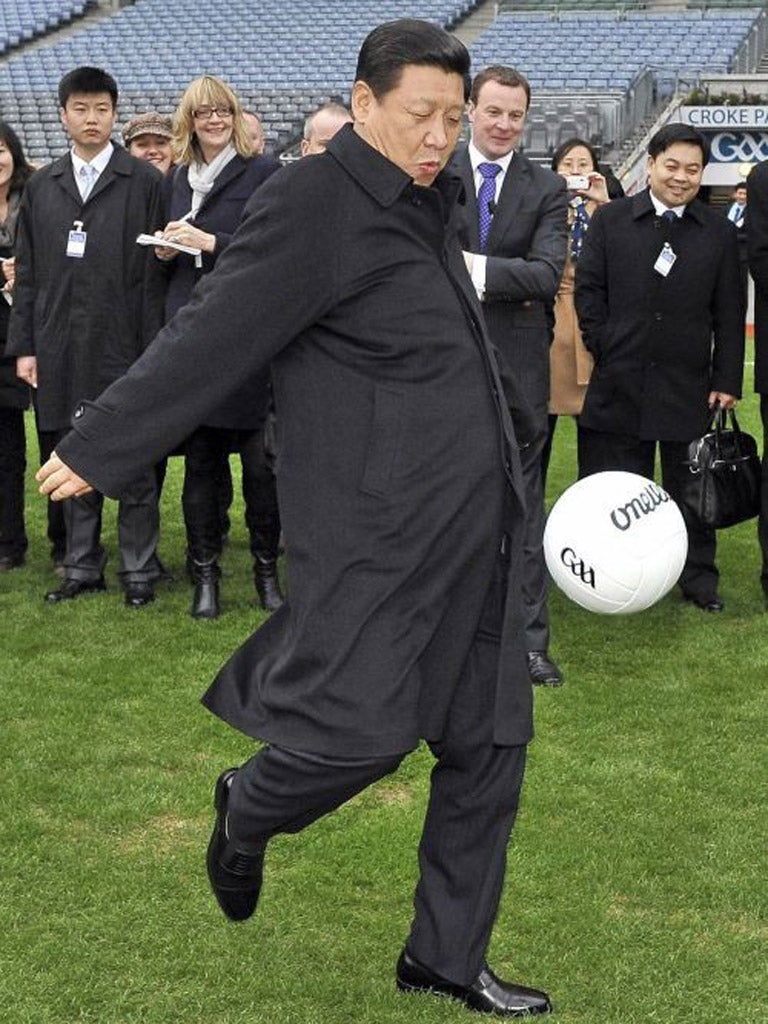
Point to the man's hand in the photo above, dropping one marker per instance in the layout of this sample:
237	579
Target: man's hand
726	401
26	368
58	481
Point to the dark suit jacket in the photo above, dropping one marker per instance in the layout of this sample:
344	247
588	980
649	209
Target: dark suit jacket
661	344
397	472
526	251
219	215
86	320
757	247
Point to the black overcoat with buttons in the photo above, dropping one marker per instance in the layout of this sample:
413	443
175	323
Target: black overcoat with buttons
661	344
86	320
757	246
398	474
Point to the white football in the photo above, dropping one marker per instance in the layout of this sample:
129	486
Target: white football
615	543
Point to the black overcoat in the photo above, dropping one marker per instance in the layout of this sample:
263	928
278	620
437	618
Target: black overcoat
660	344
14	393
398	472
219	215
86	320
757	247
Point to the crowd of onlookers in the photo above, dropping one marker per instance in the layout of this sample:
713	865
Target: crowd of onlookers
638	357
100	313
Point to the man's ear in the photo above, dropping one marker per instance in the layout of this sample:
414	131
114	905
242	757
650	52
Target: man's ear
471	112
362	100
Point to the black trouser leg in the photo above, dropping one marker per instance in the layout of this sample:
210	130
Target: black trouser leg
600	451
262	516
138	530
535	576
204	452
546	453
282	790
85	558
57	529
762	522
13	463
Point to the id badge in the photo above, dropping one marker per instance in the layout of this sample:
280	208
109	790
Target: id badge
665	260
76	241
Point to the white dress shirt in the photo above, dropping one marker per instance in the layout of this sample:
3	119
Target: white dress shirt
476	158
86	182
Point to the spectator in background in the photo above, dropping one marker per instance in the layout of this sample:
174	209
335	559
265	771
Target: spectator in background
513	230
256	132
570	365
87	301
148	137
757	244
737	213
14	394
206	195
662	313
321	126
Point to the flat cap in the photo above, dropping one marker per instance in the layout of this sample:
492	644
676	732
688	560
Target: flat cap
150	123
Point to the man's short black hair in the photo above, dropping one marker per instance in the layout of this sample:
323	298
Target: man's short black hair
395	44
672	133
88	80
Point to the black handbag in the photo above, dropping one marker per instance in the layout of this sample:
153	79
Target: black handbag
722	487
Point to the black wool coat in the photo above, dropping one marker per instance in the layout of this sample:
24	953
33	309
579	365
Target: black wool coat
219	215
757	247
660	344
86	320
14	393
398	471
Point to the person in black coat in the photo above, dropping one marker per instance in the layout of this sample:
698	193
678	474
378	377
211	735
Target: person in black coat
517	267
87	302
661	309
14	394
401	501
205	196
757	247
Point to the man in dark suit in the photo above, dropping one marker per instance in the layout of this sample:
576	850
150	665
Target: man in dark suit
401	502
662	312
513	227
737	215
757	245
87	301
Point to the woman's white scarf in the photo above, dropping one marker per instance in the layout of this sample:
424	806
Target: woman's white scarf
202	177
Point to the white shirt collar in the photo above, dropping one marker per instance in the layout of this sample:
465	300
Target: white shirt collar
98	163
660	208
476	157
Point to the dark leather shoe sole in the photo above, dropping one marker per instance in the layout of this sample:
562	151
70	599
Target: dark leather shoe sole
235	877
707	604
487	994
71	589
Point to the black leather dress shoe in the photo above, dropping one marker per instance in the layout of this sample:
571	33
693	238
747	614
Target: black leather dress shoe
137	595
267	583
486	994
542	670
71	589
235	876
712	603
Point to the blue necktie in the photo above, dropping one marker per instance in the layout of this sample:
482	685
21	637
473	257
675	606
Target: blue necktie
669	215
486	198
579	226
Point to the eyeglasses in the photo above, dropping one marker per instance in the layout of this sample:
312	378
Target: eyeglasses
206	113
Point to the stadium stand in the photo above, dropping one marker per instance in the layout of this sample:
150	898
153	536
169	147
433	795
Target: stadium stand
286	59
25	20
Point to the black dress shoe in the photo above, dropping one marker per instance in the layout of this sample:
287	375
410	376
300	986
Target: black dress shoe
267	583
235	876
712	603
71	589
8	562
137	595
542	670
486	994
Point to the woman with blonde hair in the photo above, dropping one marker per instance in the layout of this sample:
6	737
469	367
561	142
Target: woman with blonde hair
206	193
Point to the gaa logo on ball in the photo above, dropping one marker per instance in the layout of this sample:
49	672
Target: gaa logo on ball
615	543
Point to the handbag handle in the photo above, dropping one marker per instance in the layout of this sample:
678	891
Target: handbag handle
720	422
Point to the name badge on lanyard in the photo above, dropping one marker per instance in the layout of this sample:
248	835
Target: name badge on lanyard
665	260
76	241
